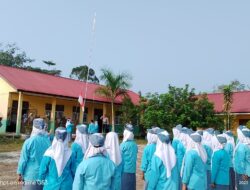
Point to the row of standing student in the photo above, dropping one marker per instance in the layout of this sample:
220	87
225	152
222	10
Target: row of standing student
197	160
92	162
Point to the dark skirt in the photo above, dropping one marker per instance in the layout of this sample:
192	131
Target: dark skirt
128	181
209	180
221	187
241	184
232	179
32	186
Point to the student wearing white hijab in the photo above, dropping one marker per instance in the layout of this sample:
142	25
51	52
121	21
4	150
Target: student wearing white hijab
229	148
80	144
148	153
31	156
129	152
220	164
114	153
96	171
176	139
164	173
58	164
242	160
207	145
194	172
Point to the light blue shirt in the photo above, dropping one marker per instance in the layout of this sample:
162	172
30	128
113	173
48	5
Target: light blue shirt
97	173
31	157
195	171
158	176
77	153
180	154
147	155
230	150
69	128
48	173
242	159
129	152
92	128
220	167
175	143
209	152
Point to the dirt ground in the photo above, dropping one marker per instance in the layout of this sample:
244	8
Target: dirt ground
8	166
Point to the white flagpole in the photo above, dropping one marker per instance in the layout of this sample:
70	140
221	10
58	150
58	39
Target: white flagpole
90	59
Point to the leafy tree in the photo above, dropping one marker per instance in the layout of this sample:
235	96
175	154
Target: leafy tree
179	106
10	55
54	72
116	85
81	73
130	112
49	63
228	100
235	85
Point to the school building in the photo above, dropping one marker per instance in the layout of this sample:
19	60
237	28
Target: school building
240	107
25	95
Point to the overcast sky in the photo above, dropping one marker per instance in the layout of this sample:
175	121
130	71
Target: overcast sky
200	42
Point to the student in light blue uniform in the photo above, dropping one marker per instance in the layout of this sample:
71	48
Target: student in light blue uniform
93	127
164	173
229	147
242	161
80	144
96	171
114	154
58	165
207	144
69	128
148	153
31	156
220	164
181	149
176	139
129	152
194	172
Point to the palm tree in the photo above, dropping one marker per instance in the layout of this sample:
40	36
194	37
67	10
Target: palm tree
228	100
115	86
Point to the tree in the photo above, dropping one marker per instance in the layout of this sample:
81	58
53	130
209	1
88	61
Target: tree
10	55
81	73
49	63
228	100
179	106
129	112
236	86
116	85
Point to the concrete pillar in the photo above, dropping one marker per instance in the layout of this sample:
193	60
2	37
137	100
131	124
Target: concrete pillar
19	113
104	108
53	116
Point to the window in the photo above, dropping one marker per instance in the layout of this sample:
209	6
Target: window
48	108
118	116
60	115
85	116
75	114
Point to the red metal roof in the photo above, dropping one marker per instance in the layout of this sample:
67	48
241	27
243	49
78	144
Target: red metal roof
35	82
241	102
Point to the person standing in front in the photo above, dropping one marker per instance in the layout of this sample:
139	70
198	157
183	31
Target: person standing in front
129	152
31	156
105	123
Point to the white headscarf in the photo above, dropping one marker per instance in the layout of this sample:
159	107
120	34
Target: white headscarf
152	138
207	139
92	151
192	145
113	148
60	152
36	131
230	140
82	140
167	154
176	133
184	138
216	144
68	122
127	135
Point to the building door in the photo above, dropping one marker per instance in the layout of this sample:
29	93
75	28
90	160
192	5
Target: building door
97	117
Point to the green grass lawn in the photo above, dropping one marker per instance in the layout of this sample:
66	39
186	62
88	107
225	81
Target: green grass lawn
8	144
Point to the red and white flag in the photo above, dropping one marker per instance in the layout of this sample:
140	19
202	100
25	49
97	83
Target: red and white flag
80	100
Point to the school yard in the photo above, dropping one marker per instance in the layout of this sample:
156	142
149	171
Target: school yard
9	160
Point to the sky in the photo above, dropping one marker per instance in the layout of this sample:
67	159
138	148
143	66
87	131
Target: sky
202	43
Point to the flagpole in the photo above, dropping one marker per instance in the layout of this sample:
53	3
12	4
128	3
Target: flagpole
90	61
